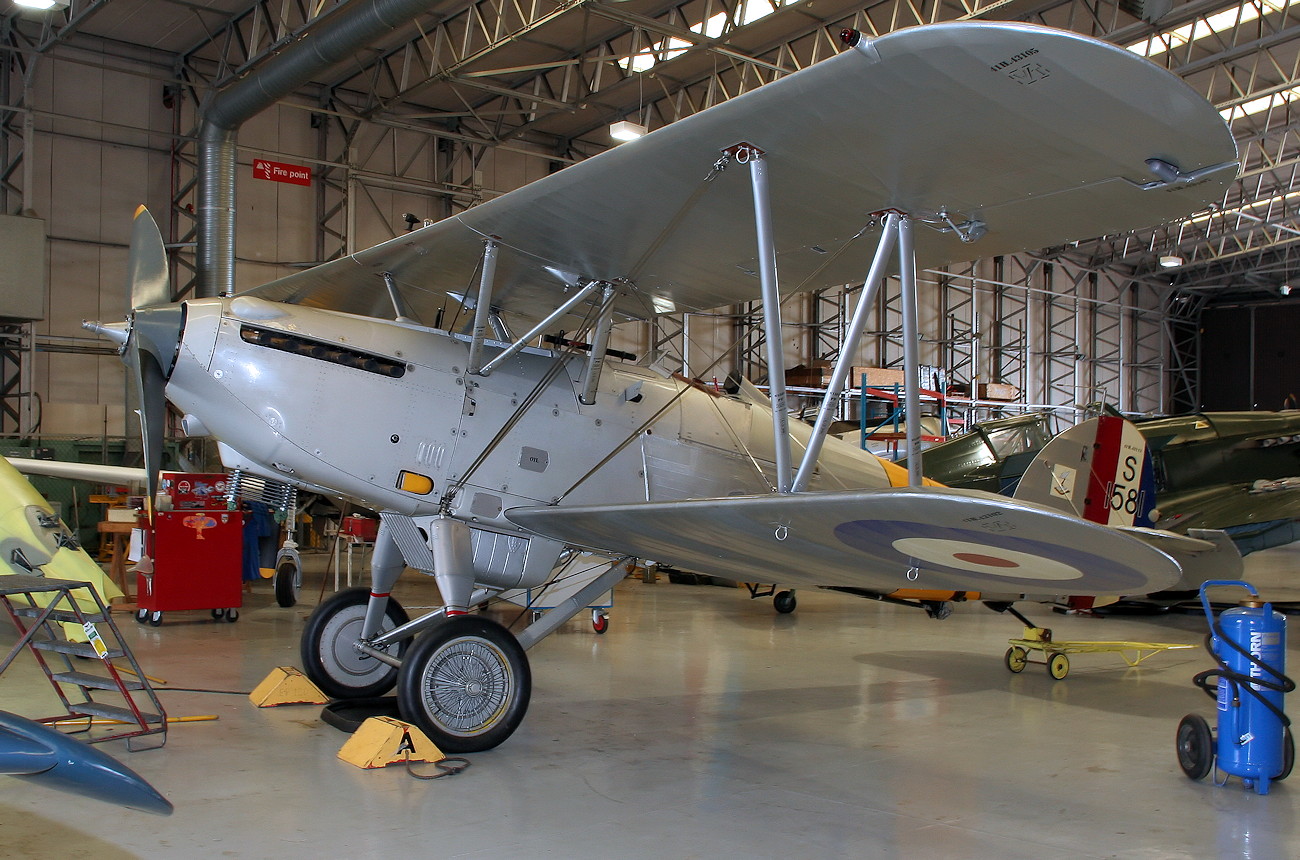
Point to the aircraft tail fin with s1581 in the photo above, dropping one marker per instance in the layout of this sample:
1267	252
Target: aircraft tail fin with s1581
1099	470
1102	471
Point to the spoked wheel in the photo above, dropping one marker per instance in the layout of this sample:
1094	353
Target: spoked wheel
466	683
288	581
784	602
328	657
1195	746
1016	659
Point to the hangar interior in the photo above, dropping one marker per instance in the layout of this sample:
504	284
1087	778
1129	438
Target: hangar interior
703	723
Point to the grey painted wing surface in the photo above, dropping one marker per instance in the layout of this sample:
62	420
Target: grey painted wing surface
930	538
1042	135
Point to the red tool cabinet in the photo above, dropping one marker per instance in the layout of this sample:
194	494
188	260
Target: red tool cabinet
196	560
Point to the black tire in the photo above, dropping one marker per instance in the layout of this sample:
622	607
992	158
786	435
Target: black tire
784	602
287	579
155	618
141	616
599	621
1016	658
328	657
232	615
347	715
1195	746
1058	666
466	683
1288	755
218	614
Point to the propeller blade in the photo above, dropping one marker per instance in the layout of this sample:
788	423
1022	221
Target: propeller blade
150	382
148	281
152	339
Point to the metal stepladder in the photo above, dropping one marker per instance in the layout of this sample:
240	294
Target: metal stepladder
107	700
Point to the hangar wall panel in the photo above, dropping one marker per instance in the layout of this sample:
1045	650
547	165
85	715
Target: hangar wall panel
275	221
23	274
101	149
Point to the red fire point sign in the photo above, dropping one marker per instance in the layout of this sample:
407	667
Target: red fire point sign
279	172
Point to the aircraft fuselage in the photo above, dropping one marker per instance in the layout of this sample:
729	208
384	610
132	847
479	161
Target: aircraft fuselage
384	413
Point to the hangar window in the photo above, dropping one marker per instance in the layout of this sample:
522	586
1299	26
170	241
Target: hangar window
323	351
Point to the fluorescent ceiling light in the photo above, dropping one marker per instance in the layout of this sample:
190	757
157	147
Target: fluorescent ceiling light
1209	25
1170	261
745	12
42	4
663	305
625	129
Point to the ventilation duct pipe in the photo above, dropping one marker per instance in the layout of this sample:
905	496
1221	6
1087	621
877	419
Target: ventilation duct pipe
320	49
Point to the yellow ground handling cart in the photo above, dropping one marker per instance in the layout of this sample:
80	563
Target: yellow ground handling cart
1058	665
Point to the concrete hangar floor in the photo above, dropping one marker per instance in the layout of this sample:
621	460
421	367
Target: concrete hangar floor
704	725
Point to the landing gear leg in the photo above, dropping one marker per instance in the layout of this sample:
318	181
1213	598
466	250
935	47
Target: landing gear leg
330	657
465	681
937	609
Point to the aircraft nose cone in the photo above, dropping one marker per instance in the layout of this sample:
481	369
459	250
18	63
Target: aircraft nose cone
158	331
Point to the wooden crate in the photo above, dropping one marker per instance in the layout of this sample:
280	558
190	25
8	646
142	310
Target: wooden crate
878	377
998	391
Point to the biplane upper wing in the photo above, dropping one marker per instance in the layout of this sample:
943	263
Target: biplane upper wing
928	538
1039	135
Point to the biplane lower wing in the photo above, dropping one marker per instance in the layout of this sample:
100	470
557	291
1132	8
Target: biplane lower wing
925	538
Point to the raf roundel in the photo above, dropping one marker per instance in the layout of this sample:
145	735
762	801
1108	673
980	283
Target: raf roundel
994	559
983	558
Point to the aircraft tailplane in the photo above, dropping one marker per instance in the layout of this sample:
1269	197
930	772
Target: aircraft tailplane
1099	470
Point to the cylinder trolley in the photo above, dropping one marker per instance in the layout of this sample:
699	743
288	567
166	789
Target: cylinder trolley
1254	743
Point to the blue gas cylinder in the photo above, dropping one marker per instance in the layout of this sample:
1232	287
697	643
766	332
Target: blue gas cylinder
1250	738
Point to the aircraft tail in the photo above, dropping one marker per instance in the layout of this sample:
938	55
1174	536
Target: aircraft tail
1099	470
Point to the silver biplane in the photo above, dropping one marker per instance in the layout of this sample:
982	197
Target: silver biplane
489	458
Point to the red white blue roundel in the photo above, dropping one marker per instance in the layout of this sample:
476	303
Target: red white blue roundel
999	561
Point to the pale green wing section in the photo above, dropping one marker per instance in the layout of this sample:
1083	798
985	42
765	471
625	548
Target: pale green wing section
1231	505
1039	135
80	471
928	538
1257	515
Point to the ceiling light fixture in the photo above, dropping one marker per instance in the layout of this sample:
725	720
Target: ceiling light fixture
1170	261
625	129
43	5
